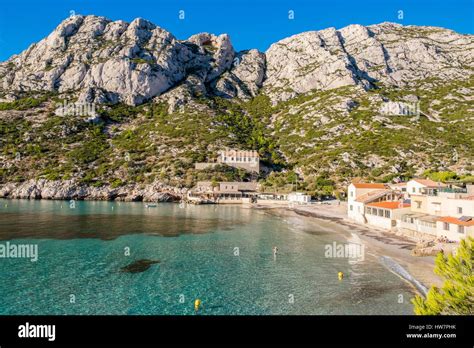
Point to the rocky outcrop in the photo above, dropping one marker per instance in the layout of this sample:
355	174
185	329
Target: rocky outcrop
68	189
106	61
245	78
215	54
307	61
356	55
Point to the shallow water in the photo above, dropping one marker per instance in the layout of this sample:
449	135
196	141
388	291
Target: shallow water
219	254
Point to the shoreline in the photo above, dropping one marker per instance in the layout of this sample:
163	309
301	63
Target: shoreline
380	243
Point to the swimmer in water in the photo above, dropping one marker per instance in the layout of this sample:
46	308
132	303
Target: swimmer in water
275	252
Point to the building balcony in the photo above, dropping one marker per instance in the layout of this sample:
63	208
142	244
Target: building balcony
443	190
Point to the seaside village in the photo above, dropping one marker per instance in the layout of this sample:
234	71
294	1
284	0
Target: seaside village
420	208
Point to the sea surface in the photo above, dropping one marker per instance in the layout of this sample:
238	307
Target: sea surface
221	255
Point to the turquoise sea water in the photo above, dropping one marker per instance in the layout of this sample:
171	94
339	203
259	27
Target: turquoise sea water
82	249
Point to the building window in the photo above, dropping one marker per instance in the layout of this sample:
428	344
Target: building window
460	229
418	204
380	212
445	226
369	210
350	208
352	193
413	190
459	210
387	214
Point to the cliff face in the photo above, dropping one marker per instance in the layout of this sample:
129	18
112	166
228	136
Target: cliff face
310	103
105	61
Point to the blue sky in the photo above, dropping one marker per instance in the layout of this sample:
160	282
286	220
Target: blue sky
250	23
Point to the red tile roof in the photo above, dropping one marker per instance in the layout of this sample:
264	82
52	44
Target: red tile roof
363	185
389	205
456	221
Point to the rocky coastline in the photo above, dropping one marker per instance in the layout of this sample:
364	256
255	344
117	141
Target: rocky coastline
71	189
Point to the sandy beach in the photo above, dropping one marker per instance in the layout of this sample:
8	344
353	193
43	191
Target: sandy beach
377	242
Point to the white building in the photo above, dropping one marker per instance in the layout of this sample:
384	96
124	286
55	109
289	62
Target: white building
419	186
249	160
298	197
455	228
360	193
442	211
434	209
385	214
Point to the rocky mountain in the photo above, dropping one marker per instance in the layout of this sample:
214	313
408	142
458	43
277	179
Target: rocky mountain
362	56
105	61
310	104
109	62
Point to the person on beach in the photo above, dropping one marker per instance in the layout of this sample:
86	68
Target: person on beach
275	251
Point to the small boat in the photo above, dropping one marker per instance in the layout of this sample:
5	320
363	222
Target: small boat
150	205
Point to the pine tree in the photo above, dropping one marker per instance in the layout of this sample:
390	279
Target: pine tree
457	293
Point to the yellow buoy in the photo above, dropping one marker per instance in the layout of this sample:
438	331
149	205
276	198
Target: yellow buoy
197	304
340	275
